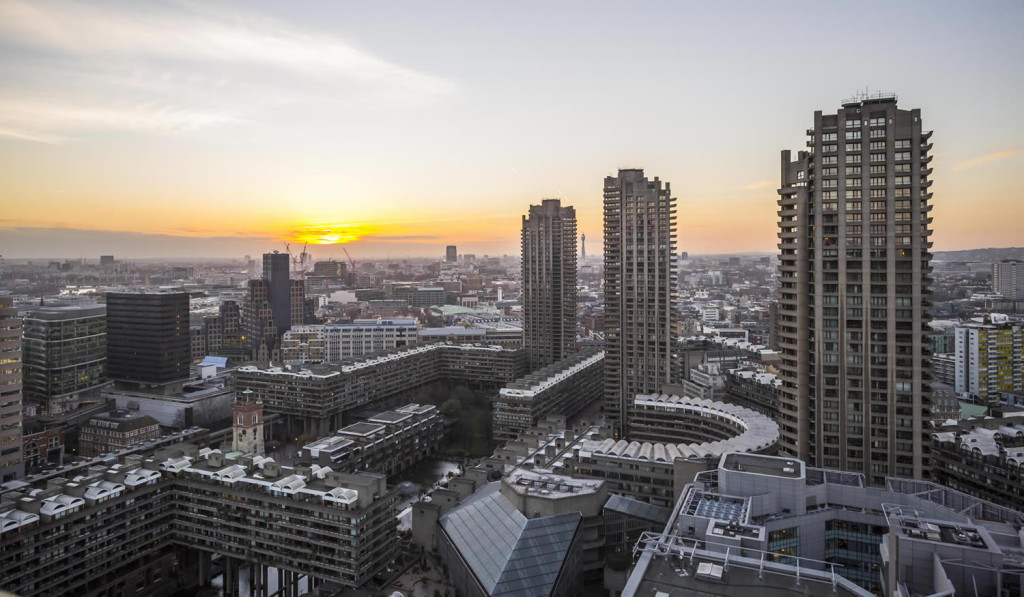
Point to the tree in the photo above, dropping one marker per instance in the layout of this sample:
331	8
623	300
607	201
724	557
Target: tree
451	408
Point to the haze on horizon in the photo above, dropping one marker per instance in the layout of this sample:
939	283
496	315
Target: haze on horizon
193	129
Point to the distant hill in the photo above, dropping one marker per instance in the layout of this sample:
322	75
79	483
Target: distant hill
982	255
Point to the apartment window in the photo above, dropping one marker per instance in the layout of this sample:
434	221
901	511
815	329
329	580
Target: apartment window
853	206
852	216
878	169
853	147
877	122
829	160
853	170
829	136
879	145
853	158
852	182
824	172
878	181
877	157
877	134
902	156
853	193
828	148
854	123
852	135
902	144
902	180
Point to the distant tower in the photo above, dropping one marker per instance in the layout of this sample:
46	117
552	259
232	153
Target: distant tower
583	247
639	290
451	254
549	283
247	425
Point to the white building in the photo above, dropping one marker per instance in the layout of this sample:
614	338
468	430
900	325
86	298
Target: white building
334	342
1008	279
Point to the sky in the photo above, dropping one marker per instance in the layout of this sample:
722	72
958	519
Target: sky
200	129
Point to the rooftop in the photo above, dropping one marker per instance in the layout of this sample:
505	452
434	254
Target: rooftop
789	468
66	312
361	429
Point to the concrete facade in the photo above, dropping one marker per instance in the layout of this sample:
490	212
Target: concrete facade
563	388
119	528
548	244
854	228
639	290
314	399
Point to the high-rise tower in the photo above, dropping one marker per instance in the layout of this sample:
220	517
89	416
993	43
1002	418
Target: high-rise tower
549	283
148	338
12	465
276	275
639	290
272	306
854	291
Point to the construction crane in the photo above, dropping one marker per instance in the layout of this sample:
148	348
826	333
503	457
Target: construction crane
298	263
350	262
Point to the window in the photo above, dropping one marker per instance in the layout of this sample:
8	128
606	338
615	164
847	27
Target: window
877	157
853	147
240	419
877	145
854	123
829	136
902	144
852	135
828	148
853	206
255	419
853	158
902	156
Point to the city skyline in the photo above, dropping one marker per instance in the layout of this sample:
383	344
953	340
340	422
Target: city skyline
181	130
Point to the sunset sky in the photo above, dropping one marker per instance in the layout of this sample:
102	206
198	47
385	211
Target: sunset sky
192	129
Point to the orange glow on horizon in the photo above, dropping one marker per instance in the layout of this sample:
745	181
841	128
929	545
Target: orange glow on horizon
330	234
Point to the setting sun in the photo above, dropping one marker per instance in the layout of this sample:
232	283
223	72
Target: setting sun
330	234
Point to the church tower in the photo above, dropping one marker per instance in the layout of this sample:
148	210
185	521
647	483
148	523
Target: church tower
247	425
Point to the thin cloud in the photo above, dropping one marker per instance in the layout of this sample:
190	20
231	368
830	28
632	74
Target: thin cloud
240	40
32	121
991	157
14	133
764	184
153	70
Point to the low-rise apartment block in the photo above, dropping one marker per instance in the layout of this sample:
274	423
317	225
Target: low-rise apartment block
313	399
562	388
